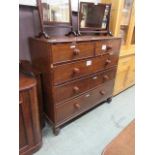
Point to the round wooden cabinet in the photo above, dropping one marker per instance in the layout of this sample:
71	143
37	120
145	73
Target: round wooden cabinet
30	139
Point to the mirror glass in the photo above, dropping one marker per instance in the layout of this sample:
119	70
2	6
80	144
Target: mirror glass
57	11
94	16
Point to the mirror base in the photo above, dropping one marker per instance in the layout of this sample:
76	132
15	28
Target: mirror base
79	33
43	35
110	33
71	33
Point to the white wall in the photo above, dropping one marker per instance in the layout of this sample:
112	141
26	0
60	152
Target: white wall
28	2
73	2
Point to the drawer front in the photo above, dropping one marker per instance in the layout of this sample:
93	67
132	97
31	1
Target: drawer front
77	87
72	51
108	46
81	68
76	106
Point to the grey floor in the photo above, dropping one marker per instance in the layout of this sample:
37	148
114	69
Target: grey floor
89	134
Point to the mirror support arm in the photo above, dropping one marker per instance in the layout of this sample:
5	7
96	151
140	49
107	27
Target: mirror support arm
71	33
42	34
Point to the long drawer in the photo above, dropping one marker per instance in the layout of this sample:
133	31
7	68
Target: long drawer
72	108
72	51
77	87
81	68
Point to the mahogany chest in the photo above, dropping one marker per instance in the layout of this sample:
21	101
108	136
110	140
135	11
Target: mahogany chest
78	74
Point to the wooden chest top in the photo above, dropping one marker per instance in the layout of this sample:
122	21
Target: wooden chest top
63	39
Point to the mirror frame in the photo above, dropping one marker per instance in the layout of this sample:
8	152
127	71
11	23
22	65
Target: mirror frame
93	29
44	24
59	22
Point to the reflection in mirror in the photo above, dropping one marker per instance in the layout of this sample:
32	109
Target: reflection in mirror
56	11
94	16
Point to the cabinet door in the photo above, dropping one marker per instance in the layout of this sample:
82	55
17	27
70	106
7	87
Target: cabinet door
25	122
122	73
131	74
125	76
22	131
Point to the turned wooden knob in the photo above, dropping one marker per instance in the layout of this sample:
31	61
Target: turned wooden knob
76	89
102	92
77	106
76	70
111	53
109	47
76	51
108	61
106	77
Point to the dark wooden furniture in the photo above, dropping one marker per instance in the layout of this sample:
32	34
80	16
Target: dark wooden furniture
29	125
78	73
124	143
27	68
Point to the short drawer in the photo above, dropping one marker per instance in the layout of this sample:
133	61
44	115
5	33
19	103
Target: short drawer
69	110
72	51
70	71
108	46
72	89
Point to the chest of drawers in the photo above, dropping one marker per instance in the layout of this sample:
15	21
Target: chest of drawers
78	74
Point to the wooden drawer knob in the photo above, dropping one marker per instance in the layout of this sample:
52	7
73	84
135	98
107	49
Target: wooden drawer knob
106	77
108	61
76	51
77	106
20	102
95	78
102	92
111	53
109	48
76	89
76	70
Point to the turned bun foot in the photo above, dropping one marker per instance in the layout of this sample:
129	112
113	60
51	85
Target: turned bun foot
56	131
109	100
